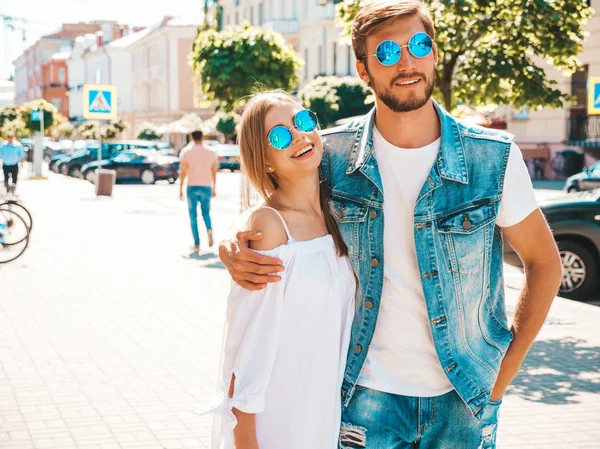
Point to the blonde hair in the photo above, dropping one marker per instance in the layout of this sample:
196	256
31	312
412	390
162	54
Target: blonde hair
376	14
253	141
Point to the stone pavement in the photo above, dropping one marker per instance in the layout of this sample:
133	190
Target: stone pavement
110	332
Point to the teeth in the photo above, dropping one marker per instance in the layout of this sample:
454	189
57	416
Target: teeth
408	82
301	151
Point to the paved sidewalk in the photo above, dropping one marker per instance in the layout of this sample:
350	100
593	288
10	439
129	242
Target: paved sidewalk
110	332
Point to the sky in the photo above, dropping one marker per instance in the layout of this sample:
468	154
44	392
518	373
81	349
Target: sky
45	17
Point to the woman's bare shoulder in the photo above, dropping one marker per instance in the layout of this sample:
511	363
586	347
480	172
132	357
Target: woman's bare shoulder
267	222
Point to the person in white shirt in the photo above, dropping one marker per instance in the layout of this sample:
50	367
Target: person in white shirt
285	346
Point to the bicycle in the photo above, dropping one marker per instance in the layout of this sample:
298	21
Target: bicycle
14	235
10	201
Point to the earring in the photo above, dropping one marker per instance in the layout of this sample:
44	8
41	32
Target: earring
269	169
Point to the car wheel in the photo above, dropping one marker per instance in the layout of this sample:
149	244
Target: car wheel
580	270
573	189
75	172
172	180
148	177
90	176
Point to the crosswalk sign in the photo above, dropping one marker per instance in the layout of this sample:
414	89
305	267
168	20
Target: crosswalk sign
594	96
99	101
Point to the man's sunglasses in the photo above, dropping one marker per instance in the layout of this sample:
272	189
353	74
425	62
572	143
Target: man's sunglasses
389	52
281	137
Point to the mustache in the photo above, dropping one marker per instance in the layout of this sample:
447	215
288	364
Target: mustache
408	76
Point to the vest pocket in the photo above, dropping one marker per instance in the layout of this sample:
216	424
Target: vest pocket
464	233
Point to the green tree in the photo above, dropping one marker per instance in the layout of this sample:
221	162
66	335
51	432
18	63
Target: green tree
9	114
227	124
148	131
333	98
50	115
114	128
232	62
64	130
17	126
488	50
88	130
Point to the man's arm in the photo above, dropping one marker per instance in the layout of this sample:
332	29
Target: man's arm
183	172
533	242
213	174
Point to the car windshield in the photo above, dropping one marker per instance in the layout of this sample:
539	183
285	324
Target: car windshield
79	153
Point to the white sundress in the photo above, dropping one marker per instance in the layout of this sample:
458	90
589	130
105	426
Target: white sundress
287	345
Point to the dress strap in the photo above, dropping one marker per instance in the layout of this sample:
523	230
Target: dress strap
287	231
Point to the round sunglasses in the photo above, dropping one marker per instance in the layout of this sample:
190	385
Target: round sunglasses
389	52
281	137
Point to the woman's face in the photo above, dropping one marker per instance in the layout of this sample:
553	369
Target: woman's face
303	156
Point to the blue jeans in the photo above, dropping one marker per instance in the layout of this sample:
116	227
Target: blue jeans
377	420
195	195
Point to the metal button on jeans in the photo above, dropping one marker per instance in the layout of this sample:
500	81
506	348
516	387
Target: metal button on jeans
374	262
357	349
368	305
373	214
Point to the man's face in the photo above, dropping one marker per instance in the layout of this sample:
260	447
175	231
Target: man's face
10	139
388	83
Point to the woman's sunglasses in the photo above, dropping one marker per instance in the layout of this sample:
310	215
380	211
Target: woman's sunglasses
281	137
389	52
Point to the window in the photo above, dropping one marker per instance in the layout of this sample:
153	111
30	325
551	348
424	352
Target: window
237	17
579	86
306	63
349	68
251	15
56	102
61	75
261	14
335	58
320	59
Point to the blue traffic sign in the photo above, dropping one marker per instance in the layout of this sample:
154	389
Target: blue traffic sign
36	116
99	102
594	96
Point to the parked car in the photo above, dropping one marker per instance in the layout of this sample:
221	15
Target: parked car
228	155
575	223
145	165
72	165
588	179
53	163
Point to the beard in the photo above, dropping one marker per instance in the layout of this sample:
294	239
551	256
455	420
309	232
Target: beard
416	100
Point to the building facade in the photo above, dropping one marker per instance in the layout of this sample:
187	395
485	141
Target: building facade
29	71
164	86
55	82
7	93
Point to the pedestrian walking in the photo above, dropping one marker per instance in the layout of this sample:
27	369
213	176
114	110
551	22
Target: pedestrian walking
199	165
11	154
431	353
285	348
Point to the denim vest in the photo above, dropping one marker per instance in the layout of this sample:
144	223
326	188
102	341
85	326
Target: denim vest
459	247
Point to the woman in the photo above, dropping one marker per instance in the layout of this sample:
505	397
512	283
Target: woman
285	346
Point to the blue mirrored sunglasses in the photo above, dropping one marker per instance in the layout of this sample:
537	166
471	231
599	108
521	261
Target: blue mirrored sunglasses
281	137
389	52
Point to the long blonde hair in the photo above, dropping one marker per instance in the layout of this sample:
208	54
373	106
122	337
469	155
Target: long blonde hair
253	142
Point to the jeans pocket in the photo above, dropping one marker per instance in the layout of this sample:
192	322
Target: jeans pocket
489	424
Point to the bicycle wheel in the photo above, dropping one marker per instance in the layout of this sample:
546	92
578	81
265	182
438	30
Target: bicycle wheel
14	235
20	210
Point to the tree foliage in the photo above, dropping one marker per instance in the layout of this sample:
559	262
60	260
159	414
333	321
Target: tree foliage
148	131
233	62
333	98
227	123
489	51
50	115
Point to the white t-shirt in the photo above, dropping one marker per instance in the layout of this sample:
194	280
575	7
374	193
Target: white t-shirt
402	358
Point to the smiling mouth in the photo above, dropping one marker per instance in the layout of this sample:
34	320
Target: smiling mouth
302	151
407	83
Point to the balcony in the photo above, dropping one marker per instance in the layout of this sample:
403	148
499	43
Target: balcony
282	26
583	130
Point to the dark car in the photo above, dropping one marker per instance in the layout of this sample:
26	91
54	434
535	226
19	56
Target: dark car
145	165
72	166
575	223
228	156
56	159
588	179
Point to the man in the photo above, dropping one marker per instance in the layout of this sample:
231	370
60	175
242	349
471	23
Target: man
11	154
431	354
200	165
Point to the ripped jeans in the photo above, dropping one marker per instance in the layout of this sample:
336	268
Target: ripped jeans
377	420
